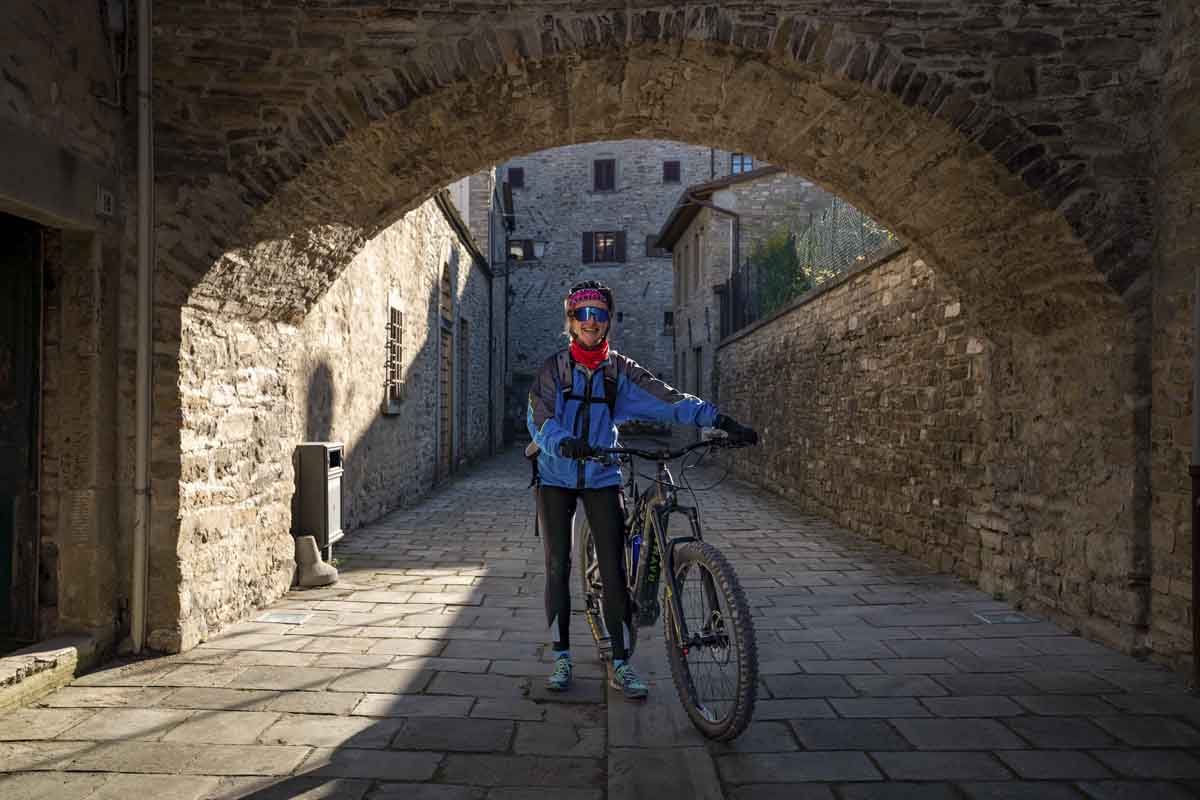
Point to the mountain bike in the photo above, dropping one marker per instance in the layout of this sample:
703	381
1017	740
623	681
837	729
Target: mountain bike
708	630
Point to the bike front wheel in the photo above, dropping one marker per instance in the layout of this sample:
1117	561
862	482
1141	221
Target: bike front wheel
716	670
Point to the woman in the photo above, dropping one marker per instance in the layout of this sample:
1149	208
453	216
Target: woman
577	399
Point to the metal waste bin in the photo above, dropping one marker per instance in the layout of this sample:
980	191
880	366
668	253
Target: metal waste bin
319	489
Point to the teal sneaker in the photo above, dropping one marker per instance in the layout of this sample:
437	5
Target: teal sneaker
627	680
560	679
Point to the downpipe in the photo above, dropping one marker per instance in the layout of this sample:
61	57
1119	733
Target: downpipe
142	375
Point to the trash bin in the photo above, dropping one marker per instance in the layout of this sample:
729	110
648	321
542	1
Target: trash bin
319	489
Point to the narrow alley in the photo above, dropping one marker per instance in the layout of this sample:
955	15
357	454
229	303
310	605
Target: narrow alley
420	675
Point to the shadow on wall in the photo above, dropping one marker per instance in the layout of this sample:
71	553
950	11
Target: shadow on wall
318	422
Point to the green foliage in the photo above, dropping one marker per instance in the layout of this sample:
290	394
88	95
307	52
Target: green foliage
780	275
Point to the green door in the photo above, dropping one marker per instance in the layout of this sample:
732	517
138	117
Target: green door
19	360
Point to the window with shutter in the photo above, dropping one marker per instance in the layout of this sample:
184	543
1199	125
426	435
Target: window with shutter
670	172
604	247
604	174
620	245
516	177
589	247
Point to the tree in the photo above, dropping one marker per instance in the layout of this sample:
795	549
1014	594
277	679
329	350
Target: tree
777	268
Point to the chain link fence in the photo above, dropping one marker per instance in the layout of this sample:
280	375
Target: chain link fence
798	259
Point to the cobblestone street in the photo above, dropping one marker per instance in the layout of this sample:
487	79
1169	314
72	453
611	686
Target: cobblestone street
420	675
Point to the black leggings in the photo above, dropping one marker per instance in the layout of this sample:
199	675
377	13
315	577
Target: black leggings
556	505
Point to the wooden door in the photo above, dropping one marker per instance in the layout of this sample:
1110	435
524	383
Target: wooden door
20	245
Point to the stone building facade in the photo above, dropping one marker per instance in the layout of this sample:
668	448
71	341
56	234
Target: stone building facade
713	229
558	213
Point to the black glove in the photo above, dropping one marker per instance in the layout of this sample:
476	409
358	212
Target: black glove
737	432
576	448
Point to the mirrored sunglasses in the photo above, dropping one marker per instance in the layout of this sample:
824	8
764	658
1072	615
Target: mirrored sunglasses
590	312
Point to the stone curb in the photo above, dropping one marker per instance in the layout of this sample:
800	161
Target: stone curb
31	673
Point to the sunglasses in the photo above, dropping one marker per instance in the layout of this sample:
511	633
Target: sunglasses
590	312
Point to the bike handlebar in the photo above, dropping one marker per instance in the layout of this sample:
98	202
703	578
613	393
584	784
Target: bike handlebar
668	455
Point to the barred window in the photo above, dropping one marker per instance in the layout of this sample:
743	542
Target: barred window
394	393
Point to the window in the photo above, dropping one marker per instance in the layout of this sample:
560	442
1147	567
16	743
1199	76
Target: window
522	249
739	163
668	322
670	172
606	247
653	250
516	177
601	246
394	369
604	175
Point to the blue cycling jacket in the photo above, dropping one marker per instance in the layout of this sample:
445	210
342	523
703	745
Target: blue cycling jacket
557	412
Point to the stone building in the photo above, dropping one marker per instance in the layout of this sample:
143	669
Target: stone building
592	211
711	232
398	360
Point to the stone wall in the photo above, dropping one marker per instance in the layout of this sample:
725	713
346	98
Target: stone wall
555	207
887	406
64	143
1178	259
253	390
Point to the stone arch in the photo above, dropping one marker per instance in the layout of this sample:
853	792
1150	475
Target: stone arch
269	189
843	108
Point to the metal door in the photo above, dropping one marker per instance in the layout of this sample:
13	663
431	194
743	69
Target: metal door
20	270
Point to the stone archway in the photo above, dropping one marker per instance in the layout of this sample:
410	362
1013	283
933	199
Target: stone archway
273	174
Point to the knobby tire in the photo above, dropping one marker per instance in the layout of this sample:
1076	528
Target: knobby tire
740	629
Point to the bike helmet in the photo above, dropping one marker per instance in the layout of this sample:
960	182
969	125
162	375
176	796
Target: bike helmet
583	291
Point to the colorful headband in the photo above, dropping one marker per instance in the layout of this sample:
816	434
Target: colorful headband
583	295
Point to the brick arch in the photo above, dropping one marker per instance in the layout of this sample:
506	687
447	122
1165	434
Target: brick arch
1005	208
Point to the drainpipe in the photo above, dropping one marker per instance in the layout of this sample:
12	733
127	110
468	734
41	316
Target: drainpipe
142	376
1195	473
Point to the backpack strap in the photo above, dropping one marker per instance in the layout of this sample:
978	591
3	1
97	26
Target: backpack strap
566	382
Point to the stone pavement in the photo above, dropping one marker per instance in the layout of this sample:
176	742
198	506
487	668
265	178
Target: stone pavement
420	676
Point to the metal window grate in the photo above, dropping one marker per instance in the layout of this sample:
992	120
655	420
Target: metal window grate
395	360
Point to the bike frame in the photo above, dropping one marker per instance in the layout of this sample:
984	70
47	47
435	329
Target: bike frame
655	509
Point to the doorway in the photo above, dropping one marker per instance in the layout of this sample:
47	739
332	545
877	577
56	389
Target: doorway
20	348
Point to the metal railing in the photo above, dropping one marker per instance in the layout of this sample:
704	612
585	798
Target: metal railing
798	259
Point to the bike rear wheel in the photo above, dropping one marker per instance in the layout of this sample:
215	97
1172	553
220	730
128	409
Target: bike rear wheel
593	594
716	671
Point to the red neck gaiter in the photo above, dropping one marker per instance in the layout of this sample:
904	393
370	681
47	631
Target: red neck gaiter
589	358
